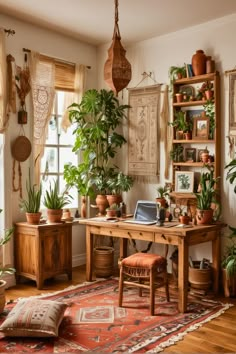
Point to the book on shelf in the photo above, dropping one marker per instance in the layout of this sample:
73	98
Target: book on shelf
189	70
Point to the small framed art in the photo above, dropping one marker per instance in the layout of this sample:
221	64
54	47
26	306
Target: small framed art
184	181
200	128
190	155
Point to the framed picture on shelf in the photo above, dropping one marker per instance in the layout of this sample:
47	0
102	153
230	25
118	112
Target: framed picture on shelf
199	154
184	181
190	155
201	128
194	113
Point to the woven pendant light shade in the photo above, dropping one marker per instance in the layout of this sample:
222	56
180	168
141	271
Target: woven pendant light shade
117	69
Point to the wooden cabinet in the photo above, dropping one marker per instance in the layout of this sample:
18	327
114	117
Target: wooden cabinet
205	130
43	251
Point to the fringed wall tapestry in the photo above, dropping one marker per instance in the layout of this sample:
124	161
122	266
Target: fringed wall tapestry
143	143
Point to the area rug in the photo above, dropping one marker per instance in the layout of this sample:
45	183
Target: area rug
94	323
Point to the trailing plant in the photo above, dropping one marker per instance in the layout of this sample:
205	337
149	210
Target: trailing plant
52	198
209	109
3	240
32	203
174	71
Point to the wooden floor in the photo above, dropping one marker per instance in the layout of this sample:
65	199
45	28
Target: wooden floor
217	336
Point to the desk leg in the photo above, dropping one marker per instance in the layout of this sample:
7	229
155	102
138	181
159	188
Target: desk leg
89	254
123	248
183	275
216	262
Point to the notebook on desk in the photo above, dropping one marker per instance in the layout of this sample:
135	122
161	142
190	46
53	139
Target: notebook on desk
145	213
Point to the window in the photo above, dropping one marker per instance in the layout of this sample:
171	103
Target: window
58	151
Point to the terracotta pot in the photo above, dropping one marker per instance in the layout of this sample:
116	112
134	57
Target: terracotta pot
179	135
184	219
102	204
2	295
179	97
205	156
114	199
111	213
199	63
210	65
200	278
33	218
188	136
54	215
204	216
162	201
209	94
104	261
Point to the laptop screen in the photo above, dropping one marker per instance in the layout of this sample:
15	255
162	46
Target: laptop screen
145	210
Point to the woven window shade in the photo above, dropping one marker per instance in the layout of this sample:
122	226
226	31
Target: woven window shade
64	74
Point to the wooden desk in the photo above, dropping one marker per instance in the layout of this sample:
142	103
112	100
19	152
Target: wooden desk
181	237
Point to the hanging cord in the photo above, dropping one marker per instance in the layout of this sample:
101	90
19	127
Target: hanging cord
9	32
116	33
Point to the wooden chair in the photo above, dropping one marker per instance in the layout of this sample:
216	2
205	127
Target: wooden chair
145	271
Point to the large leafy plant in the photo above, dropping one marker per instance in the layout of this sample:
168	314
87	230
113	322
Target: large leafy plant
207	194
229	260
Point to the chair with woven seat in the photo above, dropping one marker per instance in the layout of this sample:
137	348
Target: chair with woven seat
145	271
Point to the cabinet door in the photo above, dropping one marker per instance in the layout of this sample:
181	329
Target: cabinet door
56	250
26	252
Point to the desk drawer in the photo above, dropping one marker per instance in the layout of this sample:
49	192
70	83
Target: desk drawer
119	232
166	239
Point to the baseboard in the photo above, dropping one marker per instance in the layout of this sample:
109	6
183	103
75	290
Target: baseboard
78	260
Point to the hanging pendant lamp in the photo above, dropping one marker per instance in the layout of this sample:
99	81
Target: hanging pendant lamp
117	69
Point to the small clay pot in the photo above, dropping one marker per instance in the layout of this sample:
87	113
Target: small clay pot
179	97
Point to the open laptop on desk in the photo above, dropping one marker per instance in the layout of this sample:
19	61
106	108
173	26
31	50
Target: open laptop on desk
145	213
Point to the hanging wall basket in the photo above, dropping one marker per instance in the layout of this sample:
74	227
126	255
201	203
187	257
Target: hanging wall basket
21	148
117	69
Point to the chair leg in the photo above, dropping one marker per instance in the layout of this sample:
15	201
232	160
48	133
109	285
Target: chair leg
121	285
167	287
152	293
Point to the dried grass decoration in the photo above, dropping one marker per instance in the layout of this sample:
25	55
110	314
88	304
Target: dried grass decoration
117	69
23	88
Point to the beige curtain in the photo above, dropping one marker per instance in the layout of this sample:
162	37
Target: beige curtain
43	91
76	96
3	70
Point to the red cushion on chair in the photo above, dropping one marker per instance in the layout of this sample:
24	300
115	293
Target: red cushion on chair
144	260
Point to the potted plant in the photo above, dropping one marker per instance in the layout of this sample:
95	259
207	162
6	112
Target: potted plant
209	109
117	183
206	198
180	124
229	265
176	154
112	210
162	193
4	270
176	72
31	204
55	202
98	116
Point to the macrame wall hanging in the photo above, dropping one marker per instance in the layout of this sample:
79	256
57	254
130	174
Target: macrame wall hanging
23	88
117	69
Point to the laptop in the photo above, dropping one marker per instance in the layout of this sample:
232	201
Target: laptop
145	213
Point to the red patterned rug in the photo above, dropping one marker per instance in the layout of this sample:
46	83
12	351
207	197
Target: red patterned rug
93	322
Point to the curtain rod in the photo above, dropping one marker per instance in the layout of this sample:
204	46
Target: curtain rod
8	31
63	61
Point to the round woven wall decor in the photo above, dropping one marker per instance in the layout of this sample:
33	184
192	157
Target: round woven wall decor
21	148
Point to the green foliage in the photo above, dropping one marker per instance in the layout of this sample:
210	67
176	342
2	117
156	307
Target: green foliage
113	206
163	192
32	203
207	195
97	117
209	109
173	74
231	174
176	154
119	182
180	122
52	199
3	240
229	260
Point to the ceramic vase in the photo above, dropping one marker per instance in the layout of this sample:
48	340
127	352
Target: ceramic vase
199	63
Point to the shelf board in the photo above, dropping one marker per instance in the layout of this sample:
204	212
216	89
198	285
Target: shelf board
192	164
193	141
189	103
196	79
183	195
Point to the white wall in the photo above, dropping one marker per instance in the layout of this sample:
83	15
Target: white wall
216	38
58	46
